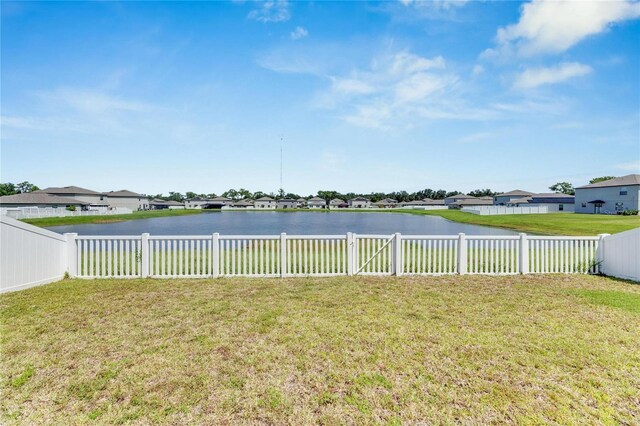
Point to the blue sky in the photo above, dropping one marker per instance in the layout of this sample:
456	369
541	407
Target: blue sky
159	97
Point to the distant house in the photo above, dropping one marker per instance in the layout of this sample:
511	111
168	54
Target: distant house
422	203
471	202
609	196
387	203
157	204
554	202
245	203
505	197
286	203
458	197
216	203
208	203
302	203
316	203
337	203
87	196
265	203
195	203
127	199
359	203
39	199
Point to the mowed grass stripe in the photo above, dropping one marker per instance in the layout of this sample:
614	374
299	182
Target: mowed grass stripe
360	350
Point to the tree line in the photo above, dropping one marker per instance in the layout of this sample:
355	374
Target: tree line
242	193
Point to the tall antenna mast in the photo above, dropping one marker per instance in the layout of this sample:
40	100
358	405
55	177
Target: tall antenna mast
281	187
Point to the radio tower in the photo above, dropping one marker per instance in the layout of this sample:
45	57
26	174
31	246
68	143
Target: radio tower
281	185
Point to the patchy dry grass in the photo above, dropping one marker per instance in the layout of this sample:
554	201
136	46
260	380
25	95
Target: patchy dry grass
437	350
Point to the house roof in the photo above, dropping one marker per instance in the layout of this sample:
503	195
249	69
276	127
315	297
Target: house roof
219	199
387	201
336	201
317	199
473	202
460	197
243	202
123	193
68	190
265	199
515	192
158	202
551	195
38	197
286	200
359	199
619	181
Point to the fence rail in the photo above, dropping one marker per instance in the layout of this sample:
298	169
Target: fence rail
328	255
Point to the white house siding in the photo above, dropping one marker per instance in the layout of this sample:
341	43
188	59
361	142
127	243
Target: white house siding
265	205
287	204
555	207
94	200
500	200
133	203
610	195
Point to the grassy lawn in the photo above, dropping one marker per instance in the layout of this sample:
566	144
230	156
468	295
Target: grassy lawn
545	224
429	350
78	220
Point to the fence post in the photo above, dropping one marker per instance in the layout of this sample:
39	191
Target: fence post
72	254
398	267
462	253
524	254
350	254
600	254
283	255
215	255
144	247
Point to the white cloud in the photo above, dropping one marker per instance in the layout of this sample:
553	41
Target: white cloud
633	166
534	77
435	4
299	33
91	101
396	87
271	11
477	70
550	26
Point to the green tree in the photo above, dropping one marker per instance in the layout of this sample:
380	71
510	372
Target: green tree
175	196
190	195
7	189
24	187
482	193
601	179
232	194
563	188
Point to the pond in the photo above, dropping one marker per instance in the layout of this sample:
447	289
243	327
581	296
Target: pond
294	223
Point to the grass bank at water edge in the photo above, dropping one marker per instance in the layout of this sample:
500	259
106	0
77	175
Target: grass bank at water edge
544	224
78	220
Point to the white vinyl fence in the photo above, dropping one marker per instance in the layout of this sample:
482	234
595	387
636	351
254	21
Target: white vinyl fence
621	255
500	210
37	212
29	255
326	255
